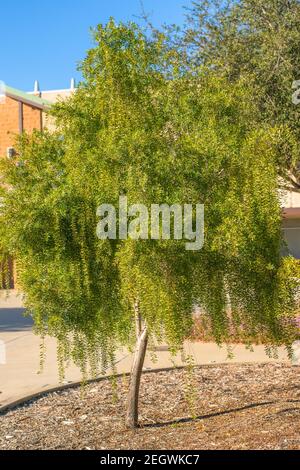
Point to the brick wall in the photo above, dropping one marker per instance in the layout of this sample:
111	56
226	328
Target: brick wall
32	118
9	127
9	122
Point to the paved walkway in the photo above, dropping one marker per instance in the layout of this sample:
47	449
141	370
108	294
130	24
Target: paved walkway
19	375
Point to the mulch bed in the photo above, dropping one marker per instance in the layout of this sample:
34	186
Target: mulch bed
250	406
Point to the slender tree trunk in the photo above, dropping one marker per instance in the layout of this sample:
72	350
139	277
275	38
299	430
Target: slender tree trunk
136	372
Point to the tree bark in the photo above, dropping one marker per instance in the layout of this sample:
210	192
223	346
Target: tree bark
135	379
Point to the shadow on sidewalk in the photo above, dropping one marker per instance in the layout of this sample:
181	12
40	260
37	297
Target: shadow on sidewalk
13	319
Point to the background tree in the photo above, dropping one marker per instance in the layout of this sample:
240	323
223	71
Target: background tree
142	127
258	40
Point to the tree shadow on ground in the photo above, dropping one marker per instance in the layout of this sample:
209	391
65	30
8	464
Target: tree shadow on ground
207	416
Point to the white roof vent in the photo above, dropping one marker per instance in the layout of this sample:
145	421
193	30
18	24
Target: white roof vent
36	88
2	92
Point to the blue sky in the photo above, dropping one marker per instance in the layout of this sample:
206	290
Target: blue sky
45	39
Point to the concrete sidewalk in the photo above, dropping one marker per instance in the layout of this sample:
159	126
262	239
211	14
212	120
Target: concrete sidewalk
19	375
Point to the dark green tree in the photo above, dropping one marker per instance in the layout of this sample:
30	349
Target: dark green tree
260	41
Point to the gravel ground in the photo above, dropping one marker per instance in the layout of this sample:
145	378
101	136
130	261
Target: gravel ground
250	406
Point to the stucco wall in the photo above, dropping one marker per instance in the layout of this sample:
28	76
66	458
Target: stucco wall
291	199
53	97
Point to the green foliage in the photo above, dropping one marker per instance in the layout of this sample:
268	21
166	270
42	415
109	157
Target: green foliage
140	126
258	40
191	386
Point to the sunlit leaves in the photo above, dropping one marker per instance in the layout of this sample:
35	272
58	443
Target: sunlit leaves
139	127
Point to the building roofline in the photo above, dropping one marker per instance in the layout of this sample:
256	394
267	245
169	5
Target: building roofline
24	97
62	90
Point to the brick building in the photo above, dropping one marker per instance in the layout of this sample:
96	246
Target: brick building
21	111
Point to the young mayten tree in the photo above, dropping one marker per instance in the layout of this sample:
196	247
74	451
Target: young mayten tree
141	127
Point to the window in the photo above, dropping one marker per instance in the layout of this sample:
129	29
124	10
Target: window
292	237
